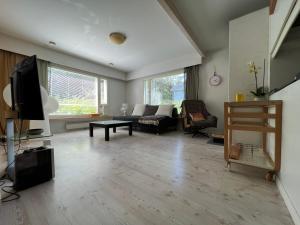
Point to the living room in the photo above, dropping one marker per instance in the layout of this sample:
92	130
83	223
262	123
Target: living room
149	112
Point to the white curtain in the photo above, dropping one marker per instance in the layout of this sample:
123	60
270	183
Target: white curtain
43	72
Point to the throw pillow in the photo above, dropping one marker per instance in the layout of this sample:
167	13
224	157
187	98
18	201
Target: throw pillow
150	110
138	110
197	116
164	110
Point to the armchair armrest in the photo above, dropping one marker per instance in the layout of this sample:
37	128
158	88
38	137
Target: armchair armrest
213	120
210	121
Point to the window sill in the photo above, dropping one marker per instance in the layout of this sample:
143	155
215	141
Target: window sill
71	117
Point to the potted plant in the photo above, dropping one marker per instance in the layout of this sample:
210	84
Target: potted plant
259	93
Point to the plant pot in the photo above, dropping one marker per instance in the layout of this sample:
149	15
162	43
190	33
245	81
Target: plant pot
259	98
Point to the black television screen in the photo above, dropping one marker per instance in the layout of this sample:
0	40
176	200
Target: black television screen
25	89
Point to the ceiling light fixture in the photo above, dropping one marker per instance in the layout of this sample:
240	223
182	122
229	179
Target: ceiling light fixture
117	38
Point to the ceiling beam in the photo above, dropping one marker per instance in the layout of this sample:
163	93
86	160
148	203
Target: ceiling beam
173	13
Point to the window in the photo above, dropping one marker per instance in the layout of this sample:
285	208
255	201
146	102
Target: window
76	93
165	90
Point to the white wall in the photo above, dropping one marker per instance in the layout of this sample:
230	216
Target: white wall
288	180
214	96
135	92
248	41
26	48
116	96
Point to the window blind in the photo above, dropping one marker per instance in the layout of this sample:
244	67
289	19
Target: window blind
76	93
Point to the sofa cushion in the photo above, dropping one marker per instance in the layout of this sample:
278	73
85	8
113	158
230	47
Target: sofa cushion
150	110
197	116
165	110
138	110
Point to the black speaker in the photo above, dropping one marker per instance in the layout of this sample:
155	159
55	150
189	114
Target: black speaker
34	166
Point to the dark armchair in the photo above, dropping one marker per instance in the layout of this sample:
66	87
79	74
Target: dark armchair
190	107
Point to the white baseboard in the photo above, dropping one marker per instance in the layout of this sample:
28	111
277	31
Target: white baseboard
294	214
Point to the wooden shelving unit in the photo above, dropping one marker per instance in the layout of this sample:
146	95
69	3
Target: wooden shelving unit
238	116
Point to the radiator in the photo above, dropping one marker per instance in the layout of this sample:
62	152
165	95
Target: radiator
77	125
84	122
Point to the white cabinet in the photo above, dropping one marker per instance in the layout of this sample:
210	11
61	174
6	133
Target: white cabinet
280	21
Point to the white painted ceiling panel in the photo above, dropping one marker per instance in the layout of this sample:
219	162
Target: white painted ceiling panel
81	28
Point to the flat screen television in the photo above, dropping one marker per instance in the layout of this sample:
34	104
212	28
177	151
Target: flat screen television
25	90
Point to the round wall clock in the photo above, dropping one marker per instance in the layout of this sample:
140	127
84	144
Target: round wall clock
215	80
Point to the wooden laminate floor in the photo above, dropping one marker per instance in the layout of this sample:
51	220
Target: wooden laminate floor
145	180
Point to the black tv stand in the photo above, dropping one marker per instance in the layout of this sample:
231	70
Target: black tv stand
33	166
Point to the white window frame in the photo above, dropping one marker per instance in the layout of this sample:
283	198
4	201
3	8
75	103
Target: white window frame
105	90
148	81
98	77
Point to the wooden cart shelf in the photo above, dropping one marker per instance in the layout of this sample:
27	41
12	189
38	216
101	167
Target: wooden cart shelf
260	128
260	115
257	159
255	104
254	116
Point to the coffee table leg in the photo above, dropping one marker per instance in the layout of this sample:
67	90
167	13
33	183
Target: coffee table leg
130	130
114	129
91	131
106	134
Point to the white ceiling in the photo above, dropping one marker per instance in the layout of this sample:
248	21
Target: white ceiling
81	28
208	19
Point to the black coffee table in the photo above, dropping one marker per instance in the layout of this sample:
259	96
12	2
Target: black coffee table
110	124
